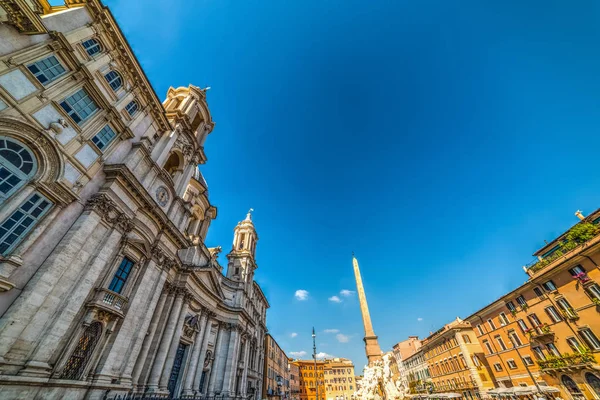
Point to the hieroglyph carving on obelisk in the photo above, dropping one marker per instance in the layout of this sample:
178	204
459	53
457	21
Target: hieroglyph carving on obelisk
371	344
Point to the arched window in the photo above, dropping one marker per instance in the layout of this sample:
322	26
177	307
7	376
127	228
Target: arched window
572	387
114	80
17	166
92	46
172	164
77	363
131	108
594	382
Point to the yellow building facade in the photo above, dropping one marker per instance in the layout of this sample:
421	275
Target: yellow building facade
311	378
544	335
456	362
339	379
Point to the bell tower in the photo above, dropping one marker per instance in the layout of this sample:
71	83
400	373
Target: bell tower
241	263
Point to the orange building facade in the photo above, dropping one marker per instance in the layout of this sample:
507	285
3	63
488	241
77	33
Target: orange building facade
456	363
544	335
339	379
311	380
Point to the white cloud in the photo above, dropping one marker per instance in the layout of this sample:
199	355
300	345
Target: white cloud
322	355
331	330
301	294
419	319
298	354
293	334
347	293
342	338
335	299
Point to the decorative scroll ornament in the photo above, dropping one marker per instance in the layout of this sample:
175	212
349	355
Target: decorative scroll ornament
108	210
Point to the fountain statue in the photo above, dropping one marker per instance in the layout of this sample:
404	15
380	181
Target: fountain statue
378	383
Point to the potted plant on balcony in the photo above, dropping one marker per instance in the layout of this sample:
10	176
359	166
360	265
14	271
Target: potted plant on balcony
581	277
545	328
596	301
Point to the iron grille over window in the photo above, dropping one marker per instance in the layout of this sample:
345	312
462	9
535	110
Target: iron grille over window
47	69
79	106
75	366
92	46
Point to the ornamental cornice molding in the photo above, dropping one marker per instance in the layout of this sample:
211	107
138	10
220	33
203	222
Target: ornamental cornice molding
108	210
123	174
102	16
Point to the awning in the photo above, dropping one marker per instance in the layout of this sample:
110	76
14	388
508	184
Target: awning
521	390
445	395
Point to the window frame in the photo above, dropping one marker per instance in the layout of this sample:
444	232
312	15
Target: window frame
528	357
509	361
116	76
71	111
549	286
24	214
13	172
491	324
553	313
118	278
501	342
592	341
99	140
41	72
96	44
135	111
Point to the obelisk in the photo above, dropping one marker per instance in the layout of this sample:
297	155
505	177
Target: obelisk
371	344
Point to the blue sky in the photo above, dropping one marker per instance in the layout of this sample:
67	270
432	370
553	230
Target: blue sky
441	141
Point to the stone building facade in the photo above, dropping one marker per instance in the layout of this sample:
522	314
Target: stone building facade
106	284
276	374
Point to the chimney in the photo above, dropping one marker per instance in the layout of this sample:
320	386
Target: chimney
579	215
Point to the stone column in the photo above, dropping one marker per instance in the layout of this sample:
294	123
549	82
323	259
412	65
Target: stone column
142	301
203	349
231	362
141	359
244	383
164	380
215	364
27	308
146	367
165	343
191	370
80	284
184	179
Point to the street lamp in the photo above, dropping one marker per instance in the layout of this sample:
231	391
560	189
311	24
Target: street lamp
315	358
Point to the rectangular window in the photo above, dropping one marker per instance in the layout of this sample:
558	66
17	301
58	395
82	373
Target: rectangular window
511	364
79	106
527	360
500	342
515	339
46	70
574	344
590	338
576	270
535	321
594	291
553	314
480	329
498	367
539	353
14	228
521	301
566	308
491	324
511	306
538	292
118	281
503	319
104	137
488	347
549	286
552	349
522	325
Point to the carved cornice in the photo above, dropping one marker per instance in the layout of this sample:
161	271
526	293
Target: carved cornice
127	58
22	17
110	212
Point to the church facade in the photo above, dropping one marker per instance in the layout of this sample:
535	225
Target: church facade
106	284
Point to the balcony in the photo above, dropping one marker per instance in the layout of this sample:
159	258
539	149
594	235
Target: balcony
109	301
567	362
541	333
